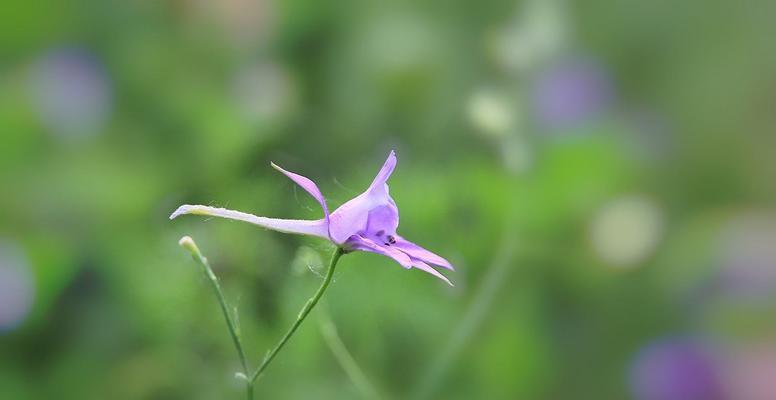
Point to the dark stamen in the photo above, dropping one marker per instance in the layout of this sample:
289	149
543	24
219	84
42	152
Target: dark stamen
391	239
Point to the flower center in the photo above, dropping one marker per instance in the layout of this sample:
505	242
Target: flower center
385	239
381	225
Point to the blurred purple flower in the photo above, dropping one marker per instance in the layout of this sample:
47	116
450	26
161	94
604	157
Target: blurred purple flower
751	371
71	92
571	93
367	222
675	370
17	287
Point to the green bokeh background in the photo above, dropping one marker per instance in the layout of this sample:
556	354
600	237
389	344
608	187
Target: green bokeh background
537	311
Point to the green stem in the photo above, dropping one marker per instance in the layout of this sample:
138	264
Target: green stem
473	318
343	356
302	314
188	243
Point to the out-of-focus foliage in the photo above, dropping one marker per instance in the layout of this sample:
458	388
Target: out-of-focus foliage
601	174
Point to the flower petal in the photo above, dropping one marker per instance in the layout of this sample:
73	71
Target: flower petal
300	227
354	217
308	185
350	218
381	223
385	172
427	268
360	243
415	251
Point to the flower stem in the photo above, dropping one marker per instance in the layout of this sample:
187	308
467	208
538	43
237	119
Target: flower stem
308	306
188	243
473	318
343	356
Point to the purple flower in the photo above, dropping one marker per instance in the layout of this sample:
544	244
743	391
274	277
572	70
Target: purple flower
675	370
367	222
571	93
71	92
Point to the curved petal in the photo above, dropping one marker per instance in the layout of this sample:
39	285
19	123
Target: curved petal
363	244
415	251
318	228
308	185
385	172
427	268
359	243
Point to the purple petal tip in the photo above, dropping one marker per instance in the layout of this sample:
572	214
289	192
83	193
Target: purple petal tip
184	209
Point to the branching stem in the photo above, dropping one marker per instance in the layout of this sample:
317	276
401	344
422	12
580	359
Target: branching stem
249	378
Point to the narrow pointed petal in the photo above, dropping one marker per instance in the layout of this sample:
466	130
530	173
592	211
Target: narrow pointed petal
427	268
385	172
308	185
359	243
415	251
300	227
363	244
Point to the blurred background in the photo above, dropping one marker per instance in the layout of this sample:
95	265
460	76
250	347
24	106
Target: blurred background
601	174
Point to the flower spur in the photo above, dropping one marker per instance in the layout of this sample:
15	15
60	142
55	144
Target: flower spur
368	222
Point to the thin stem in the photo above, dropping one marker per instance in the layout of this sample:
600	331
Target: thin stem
302	314
343	356
472	319
188	243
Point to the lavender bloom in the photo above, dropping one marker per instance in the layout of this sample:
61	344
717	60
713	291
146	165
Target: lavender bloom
675	370
572	93
71	92
367	222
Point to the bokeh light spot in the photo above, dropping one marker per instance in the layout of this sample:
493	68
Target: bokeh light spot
625	231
